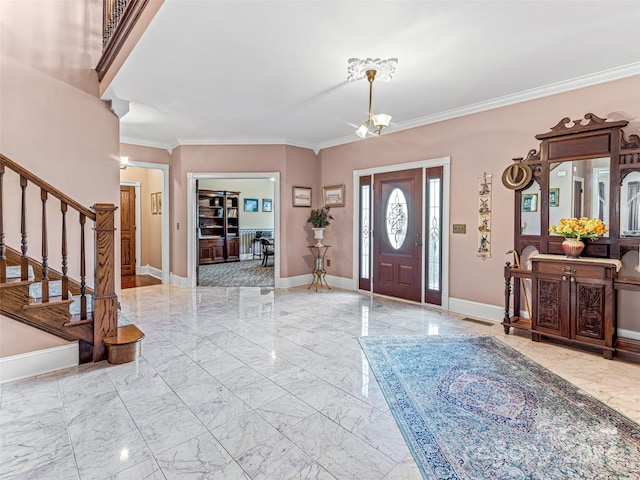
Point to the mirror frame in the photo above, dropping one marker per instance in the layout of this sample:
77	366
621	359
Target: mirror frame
569	140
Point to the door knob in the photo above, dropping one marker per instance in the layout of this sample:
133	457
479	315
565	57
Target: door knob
418	244
564	278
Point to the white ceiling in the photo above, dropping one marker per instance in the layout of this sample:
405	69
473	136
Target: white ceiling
264	72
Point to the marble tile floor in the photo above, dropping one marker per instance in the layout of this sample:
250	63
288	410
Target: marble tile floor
248	383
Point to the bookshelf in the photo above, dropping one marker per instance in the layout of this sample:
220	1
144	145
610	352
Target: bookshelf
218	226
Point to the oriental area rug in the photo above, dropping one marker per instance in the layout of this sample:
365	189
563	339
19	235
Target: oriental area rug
475	408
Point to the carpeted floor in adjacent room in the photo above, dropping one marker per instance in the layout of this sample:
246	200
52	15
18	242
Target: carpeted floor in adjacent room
246	273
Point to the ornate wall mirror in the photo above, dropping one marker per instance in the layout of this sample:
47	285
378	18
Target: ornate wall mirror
630	205
579	188
530	210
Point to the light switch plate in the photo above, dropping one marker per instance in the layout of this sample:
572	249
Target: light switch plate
459	228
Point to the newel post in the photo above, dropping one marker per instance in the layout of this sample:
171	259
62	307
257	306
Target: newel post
105	307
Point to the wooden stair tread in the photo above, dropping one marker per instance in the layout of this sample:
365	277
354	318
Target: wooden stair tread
53	302
13	282
125	335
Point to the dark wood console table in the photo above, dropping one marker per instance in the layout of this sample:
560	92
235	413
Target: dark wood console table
573	300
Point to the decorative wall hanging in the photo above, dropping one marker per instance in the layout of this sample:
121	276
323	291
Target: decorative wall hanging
333	196
484	217
301	196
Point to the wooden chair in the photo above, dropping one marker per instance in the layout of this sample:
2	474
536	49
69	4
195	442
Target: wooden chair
267	250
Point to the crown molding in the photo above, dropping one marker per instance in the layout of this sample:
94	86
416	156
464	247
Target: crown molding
243	141
147	143
524	96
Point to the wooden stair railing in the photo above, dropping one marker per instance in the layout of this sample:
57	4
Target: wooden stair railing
104	321
119	18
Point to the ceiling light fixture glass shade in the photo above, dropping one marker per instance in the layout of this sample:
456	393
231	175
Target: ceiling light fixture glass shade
362	131
372	68
381	120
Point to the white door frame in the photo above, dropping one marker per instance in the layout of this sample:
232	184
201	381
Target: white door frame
166	274
138	221
192	238
443	162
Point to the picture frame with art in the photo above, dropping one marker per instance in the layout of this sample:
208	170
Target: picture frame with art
251	205
530	202
554	197
156	203
333	196
301	196
267	205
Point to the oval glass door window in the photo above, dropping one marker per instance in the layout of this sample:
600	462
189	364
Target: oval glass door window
397	216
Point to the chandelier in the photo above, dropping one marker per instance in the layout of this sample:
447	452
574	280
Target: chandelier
370	68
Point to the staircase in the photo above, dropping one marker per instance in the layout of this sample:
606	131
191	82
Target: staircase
33	293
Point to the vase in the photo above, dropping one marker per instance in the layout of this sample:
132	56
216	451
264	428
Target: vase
572	247
318	234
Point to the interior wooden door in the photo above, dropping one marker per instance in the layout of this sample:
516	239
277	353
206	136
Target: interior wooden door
397	233
127	230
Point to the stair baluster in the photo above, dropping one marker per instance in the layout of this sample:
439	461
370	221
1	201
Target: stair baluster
24	259
45	248
92	328
3	257
83	271
65	266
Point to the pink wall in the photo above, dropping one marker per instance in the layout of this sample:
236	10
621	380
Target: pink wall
145	154
51	120
483	142
297	166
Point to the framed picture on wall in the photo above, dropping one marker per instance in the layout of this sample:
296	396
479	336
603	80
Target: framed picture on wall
266	205
530	202
554	197
301	196
154	204
333	196
250	204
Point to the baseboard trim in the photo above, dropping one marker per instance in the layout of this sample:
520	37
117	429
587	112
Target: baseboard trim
24	365
297	281
484	311
178	281
306	279
342	282
630	334
153	271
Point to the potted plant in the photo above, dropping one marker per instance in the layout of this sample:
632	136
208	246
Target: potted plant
319	218
574	229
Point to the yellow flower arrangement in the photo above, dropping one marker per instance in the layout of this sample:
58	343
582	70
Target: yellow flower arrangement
579	228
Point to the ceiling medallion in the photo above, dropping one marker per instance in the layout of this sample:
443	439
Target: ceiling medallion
357	69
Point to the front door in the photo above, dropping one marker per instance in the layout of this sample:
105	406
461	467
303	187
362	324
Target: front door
397	230
127	230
